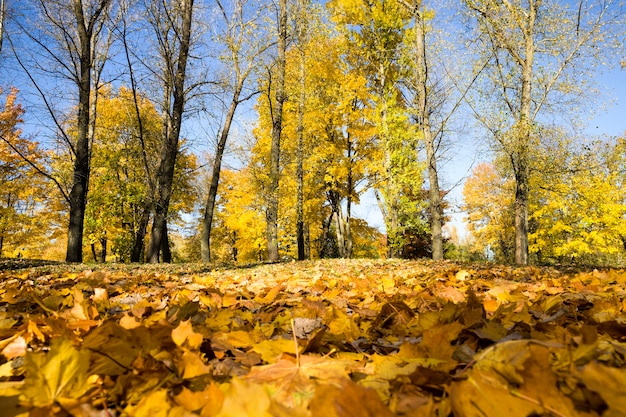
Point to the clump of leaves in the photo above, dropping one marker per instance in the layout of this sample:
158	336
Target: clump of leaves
333	338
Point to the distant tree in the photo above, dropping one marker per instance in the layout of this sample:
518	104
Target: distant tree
489	204
577	207
120	185
375	33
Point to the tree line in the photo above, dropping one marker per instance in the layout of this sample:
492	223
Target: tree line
347	97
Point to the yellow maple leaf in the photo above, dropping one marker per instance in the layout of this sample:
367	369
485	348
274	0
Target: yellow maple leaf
58	375
184	332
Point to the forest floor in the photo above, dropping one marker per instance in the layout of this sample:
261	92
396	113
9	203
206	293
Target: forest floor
333	338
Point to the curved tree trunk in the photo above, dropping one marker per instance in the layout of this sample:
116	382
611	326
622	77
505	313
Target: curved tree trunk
272	203
205	242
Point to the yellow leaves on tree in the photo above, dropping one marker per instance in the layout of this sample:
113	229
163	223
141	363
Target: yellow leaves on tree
124	163
577	209
489	202
28	208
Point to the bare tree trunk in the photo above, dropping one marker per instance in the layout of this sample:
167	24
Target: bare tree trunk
142	228
523	138
272	203
2	9
342	225
78	194
103	249
140	233
300	163
169	151
302	28
521	213
209	209
423	115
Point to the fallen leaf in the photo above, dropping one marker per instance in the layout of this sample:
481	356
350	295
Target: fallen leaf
347	400
184	333
57	375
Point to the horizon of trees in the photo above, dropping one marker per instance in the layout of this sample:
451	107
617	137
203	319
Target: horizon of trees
141	145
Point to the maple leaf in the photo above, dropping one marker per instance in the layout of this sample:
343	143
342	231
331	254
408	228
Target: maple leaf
298	375
57	376
184	333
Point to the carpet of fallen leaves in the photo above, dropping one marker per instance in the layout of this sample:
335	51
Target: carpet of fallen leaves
327	338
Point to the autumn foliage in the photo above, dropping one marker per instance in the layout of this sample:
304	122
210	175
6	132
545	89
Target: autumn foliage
327	338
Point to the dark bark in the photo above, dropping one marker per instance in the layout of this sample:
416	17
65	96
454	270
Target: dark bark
82	156
521	210
277	120
103	249
302	28
140	234
169	150
300	166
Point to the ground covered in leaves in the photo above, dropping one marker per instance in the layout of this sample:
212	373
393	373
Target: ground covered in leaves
327	338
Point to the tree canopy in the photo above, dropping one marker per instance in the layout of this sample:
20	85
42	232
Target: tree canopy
284	119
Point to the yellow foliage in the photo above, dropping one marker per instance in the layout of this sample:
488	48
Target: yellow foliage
576	207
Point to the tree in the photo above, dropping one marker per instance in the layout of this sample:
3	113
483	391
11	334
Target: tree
489	204
172	24
243	51
542	53
2	12
277	125
28	207
577	209
578	212
71	41
374	33
302	35
433	96
120	187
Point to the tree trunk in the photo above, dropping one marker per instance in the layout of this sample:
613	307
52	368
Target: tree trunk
272	203
165	245
423	116
140	233
2	8
78	194
103	249
169	151
302	29
523	132
94	254
300	164
521	211
209	209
